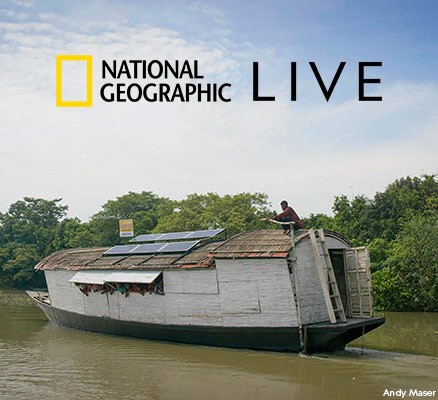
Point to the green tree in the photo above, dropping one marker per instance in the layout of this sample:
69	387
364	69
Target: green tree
380	252
390	293
17	262
401	201
317	221
71	233
144	208
417	250
353	219
27	234
405	270
236	213
32	221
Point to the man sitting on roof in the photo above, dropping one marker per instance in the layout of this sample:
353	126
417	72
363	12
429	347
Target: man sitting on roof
289	215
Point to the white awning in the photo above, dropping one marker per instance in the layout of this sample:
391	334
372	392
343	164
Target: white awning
100	277
91	277
132	276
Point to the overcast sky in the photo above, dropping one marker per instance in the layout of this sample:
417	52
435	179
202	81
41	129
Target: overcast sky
307	152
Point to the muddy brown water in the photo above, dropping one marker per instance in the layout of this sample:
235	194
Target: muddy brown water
39	360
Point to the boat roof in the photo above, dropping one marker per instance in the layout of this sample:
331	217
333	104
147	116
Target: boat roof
266	243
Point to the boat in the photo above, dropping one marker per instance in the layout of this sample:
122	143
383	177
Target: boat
264	290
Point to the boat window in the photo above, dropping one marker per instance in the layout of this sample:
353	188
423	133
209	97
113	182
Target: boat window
124	282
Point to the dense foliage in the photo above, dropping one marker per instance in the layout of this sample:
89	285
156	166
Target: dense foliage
27	233
236	213
399	225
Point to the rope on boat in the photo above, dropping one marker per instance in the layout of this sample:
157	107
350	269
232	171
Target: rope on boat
363	338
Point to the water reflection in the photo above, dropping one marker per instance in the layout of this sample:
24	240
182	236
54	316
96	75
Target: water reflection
41	360
406	332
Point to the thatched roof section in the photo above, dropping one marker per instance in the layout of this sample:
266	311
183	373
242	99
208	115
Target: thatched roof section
266	243
82	259
253	244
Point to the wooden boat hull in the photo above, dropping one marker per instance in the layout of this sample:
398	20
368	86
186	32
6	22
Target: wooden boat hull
317	337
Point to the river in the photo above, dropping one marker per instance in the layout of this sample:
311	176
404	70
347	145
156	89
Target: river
39	360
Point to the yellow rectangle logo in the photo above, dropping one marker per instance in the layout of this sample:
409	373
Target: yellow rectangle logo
89	84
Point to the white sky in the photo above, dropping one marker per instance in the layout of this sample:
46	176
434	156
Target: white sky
307	152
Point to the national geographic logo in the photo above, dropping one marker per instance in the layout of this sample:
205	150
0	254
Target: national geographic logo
181	81
143	80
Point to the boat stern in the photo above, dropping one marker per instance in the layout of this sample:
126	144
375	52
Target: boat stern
334	337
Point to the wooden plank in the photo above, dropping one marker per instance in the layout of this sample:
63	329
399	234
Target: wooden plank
332	277
322	276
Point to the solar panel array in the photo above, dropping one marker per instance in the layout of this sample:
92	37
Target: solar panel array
120	250
151	248
148	248
154	237
177	247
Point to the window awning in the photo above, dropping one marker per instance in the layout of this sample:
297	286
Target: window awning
100	277
90	277
132	276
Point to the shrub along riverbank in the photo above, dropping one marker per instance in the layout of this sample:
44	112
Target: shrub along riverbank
399	225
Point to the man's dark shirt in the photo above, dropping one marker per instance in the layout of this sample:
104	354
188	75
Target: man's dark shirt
291	215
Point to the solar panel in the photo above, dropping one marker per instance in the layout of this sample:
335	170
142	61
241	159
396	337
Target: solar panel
204	234
120	250
151	248
177	247
175	235
148	248
152	237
